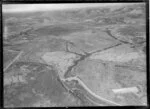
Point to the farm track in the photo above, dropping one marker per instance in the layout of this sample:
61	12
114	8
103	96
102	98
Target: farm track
11	50
91	95
13	61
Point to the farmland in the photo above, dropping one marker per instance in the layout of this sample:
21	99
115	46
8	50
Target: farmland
94	56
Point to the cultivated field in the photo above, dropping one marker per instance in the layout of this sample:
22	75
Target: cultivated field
94	56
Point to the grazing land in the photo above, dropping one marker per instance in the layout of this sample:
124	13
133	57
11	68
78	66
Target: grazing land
94	56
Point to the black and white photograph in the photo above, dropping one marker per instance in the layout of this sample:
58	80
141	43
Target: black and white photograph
74	54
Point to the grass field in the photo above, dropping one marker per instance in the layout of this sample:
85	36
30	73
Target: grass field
101	48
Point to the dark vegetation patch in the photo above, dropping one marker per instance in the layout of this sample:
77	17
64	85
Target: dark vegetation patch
113	20
47	83
132	30
136	16
58	30
139	40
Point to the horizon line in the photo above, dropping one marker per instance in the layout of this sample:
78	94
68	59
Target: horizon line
16	8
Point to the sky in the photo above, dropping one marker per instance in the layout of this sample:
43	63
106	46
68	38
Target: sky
43	7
